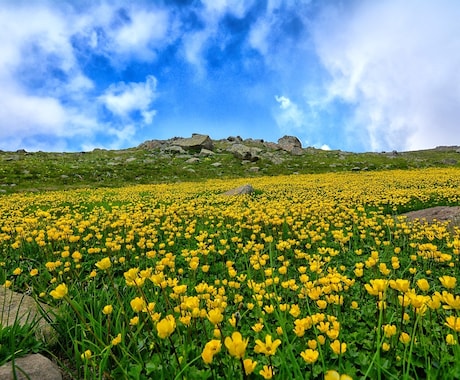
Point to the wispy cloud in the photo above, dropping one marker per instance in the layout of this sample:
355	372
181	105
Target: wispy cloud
396	63
123	99
288	116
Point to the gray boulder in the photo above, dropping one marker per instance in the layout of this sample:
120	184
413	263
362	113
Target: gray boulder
152	144
244	152
236	139
206	152
245	189
291	144
31	367
174	149
195	143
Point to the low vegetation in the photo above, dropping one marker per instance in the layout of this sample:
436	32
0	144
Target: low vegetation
311	276
24	171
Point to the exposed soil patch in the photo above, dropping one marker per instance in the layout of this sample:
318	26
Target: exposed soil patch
439	213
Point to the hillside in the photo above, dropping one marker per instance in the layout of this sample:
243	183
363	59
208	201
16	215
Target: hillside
197	158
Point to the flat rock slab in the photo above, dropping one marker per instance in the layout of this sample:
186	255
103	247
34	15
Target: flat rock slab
21	308
440	213
30	367
450	214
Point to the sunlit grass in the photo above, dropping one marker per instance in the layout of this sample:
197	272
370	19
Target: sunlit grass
310	277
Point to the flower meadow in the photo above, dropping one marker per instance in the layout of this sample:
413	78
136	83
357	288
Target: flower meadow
309	277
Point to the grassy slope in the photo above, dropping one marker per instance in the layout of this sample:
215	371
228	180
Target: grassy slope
23	171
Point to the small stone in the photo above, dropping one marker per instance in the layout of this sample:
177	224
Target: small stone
206	152
245	189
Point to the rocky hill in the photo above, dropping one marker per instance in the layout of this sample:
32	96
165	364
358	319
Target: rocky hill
198	158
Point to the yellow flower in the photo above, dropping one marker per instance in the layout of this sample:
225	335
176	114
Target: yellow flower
33	272
210	349
166	326
86	355
17	271
60	292
7	284
215	316
385	346
266	372
389	330
269	347
269	309
448	281
137	304
249	366
236	345
321	339
354	305
423	285
334	375
450	340
310	356
104	263
321	304
116	340
400	285
377	287
453	302
337	347
108	309
453	323
404	338
258	327
134	321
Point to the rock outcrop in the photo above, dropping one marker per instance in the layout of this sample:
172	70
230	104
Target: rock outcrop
291	144
30	367
244	152
195	143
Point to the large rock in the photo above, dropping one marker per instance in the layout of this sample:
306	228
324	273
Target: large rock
195	143
245	189
31	367
244	152
26	310
291	144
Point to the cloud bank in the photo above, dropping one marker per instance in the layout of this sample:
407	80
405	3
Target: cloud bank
396	65
355	75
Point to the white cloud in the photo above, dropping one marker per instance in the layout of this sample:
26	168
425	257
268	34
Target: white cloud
141	35
397	64
38	107
289	116
123	98
194	42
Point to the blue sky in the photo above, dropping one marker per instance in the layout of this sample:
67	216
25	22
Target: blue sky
353	75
